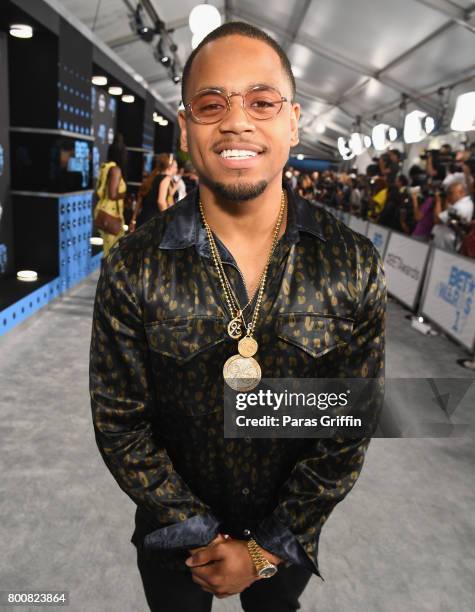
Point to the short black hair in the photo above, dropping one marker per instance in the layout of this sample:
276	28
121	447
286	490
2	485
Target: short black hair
242	29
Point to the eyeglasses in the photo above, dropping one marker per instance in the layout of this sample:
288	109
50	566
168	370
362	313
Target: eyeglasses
212	105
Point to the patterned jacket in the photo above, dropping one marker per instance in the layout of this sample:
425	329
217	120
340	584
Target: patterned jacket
158	347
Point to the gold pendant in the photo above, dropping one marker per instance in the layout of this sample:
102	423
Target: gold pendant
242	373
235	328
247	346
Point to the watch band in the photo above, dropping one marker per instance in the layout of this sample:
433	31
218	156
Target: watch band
264	568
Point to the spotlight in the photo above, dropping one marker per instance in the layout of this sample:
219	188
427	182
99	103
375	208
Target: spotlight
145	32
356	143
345	150
115	91
20	30
204	18
128	98
417	125
382	135
99	80
464	115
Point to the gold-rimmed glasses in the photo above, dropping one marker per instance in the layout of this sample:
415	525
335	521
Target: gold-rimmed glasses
212	105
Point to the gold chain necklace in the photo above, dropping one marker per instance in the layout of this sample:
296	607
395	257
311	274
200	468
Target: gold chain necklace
242	372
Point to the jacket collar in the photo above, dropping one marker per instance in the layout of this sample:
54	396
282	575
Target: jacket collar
185	228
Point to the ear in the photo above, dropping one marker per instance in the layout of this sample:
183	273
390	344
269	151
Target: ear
183	131
294	124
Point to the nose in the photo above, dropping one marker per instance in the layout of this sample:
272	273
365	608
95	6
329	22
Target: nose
236	119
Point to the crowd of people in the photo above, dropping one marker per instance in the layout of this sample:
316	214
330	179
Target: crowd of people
433	202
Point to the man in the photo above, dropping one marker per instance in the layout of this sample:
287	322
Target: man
459	207
215	515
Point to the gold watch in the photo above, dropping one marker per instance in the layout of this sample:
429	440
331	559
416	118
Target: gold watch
264	568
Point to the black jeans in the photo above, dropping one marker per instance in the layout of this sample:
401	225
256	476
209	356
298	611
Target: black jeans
174	591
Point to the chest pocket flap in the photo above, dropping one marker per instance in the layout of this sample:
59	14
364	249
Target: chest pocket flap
316	334
183	338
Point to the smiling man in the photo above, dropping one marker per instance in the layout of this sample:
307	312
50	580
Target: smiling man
239	280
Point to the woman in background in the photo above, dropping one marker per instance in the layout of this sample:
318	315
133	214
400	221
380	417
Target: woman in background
154	192
112	189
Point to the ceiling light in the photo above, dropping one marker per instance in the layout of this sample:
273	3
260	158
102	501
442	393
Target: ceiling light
381	136
464	115
164	122
20	30
204	18
165	59
96	240
139	78
115	91
128	98
196	39
367	141
99	80
321	127
416	125
176	78
27	275
144	31
157	118
300	156
297	71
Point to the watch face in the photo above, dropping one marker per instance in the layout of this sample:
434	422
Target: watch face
268	571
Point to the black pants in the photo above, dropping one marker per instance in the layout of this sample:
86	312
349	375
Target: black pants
174	591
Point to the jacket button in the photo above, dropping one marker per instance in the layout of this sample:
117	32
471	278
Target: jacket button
246	532
247	439
245	491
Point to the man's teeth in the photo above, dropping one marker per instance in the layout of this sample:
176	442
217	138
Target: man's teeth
241	153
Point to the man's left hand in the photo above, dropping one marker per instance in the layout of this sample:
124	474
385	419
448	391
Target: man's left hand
225	568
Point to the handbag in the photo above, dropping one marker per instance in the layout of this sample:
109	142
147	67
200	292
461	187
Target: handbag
103	220
108	223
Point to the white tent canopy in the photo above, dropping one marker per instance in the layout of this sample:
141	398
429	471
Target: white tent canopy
353	59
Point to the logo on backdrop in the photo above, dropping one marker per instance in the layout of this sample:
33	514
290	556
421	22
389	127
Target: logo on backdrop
395	261
2	160
458	291
378	240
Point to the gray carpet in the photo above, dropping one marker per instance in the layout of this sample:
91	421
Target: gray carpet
403	540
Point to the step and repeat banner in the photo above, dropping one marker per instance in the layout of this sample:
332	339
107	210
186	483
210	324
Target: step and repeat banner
449	295
437	283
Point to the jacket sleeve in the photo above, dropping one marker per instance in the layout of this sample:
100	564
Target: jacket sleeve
122	402
329	469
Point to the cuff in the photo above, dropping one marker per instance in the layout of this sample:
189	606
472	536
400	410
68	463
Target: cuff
196	531
275	537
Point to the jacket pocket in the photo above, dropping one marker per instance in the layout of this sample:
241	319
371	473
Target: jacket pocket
184	338
316	334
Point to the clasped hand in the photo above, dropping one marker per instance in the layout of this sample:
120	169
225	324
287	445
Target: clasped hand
224	567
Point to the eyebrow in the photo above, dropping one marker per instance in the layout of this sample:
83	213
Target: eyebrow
245	88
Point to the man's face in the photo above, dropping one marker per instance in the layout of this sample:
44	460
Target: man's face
455	193
237	63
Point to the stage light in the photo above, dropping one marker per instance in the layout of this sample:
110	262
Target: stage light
128	98
344	149
27	275
356	143
21	30
204	18
115	91
144	31
382	134
416	126
464	115
99	80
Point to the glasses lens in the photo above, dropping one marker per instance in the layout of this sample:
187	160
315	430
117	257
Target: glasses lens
208	106
263	103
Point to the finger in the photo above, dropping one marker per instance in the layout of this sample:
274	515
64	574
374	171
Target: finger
210	553
202	583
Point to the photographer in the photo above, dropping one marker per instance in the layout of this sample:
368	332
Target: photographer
459	210
389	165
